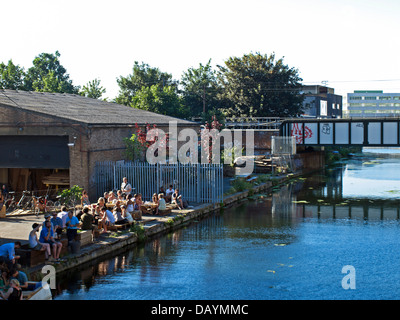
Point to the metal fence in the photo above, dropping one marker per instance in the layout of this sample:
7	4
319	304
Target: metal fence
283	145
199	183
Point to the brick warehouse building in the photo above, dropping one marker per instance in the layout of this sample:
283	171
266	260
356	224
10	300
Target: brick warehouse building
56	139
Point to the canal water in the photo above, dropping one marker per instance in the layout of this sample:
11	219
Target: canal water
332	235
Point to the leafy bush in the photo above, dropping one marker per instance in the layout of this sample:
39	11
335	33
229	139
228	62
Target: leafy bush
72	196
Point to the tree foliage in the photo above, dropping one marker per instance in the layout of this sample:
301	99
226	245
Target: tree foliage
11	76
143	76
257	85
93	89
199	91
254	85
48	75
159	99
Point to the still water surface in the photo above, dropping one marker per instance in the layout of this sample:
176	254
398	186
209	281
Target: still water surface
291	245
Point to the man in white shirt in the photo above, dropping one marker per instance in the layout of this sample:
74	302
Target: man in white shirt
168	193
63	215
126	187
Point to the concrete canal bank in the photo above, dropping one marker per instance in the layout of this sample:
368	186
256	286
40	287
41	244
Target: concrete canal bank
151	226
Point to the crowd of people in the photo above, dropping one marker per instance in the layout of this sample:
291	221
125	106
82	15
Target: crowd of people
126	208
12	279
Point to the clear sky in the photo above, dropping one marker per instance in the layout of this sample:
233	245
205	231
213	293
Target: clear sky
352	44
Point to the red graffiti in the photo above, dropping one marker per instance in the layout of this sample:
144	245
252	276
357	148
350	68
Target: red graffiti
298	133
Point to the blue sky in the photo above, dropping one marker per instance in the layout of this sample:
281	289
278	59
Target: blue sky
351	44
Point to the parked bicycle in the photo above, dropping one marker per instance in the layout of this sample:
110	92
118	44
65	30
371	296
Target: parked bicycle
25	202
42	204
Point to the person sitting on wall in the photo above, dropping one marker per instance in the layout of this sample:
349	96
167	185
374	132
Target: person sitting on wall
97	215
101	202
111	197
86	220
14	293
140	203
105	197
7	253
154	199
162	191
129	203
119	219
17	273
34	243
126	214
57	225
161	204
177	199
168	194
107	219
120	196
47	236
117	206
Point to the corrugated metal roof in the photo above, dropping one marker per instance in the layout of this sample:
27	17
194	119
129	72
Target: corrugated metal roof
82	109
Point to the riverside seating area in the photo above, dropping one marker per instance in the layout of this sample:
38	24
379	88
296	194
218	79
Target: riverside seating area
117	240
30	258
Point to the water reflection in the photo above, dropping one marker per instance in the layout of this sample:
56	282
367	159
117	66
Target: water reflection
329	195
229	255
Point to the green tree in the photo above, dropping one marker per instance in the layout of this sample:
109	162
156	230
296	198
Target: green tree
257	85
134	149
71	197
160	99
142	76
48	75
93	89
200	91
11	76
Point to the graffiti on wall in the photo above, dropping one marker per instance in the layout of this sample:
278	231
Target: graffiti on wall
298	132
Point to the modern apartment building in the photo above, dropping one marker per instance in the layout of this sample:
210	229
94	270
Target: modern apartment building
367	104
321	102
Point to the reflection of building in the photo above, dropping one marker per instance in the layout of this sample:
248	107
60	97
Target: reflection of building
321	101
373	104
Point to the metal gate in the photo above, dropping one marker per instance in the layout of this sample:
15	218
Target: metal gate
199	183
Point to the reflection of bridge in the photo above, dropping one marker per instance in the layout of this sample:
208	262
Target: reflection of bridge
343	132
351	208
322	197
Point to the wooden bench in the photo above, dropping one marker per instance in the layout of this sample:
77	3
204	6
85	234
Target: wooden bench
124	226
30	257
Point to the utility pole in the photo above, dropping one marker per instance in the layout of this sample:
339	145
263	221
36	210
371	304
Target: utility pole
204	98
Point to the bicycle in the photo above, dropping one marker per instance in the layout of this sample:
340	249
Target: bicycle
25	202
43	203
10	203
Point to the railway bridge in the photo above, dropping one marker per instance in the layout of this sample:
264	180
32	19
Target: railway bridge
372	132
